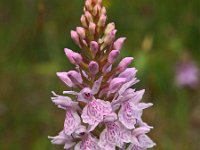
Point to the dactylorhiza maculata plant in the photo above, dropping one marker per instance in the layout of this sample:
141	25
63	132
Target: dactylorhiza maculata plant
103	112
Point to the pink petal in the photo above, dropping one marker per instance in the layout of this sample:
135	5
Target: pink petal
124	63
62	139
63	77
81	32
83	21
140	130
75	77
144	105
75	37
145	141
74	58
93	67
94	47
113	56
111	136
63	101
115	84
129	74
96	86
104	143
107	68
72	121
127	85
92	28
126	117
88	143
110	37
102	20
119	43
94	112
110	117
110	27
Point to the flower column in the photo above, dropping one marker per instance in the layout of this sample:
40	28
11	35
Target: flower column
103	111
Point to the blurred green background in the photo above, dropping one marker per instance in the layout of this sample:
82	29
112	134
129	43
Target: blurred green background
33	34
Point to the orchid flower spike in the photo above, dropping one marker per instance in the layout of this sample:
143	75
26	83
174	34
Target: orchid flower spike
102	110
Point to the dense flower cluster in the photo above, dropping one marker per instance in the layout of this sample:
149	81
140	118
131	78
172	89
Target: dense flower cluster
103	112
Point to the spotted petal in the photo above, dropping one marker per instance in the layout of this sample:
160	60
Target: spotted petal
94	112
87	143
72	122
126	116
114	135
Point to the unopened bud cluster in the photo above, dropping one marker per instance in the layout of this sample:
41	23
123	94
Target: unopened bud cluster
103	112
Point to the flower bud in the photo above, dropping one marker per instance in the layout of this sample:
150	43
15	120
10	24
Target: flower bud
88	5
102	20
69	54
95	10
83	21
110	27
99	2
77	58
119	43
75	77
113	56
88	16
75	37
124	63
110	37
74	58
94	47
92	28
115	84
107	68
64	78
96	86
93	67
103	10
81	32
129	74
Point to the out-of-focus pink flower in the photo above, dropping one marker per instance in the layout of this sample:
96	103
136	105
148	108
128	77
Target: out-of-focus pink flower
187	75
